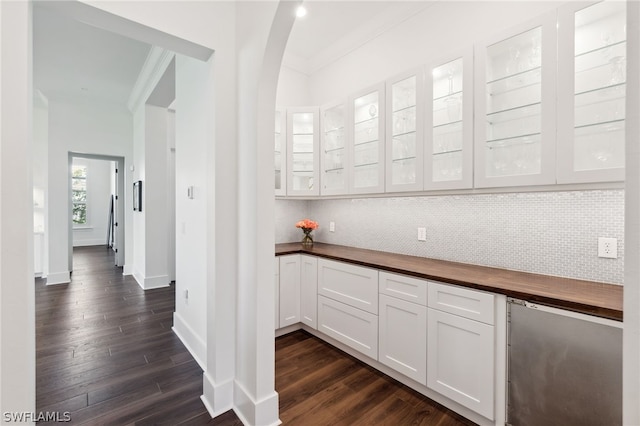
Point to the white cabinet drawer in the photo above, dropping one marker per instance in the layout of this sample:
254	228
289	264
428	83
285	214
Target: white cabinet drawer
353	327
403	287
354	285
472	304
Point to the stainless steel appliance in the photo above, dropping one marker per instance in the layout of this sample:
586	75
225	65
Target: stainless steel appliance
564	368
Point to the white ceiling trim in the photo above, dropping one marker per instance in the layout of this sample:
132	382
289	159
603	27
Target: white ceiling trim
152	71
358	37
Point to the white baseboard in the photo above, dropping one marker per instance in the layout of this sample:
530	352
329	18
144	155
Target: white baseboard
148	283
58	278
250	412
217	397
194	344
127	270
93	242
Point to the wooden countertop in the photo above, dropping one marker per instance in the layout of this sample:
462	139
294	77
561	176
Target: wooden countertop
592	298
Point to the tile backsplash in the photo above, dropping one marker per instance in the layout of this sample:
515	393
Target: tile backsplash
551	233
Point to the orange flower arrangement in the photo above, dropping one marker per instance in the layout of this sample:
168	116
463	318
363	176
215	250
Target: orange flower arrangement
307	226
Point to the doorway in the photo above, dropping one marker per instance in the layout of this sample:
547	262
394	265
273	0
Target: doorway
108	212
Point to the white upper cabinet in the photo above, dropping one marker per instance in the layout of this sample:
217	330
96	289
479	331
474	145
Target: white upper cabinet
448	156
280	153
404	148
333	149
302	151
368	147
515	106
592	52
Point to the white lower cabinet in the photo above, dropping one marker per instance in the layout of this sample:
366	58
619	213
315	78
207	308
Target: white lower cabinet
289	290
309	291
354	327
402	337
460	360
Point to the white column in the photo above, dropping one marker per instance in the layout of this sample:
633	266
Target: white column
262	33
17	324
631	332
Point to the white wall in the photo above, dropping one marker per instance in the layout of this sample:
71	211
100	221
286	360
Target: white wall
40	184
85	127
99	183
171	194
293	88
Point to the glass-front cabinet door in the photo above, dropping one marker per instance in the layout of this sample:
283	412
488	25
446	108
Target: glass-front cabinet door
302	151
280	153
368	147
515	106
333	149
449	123
592	52
404	148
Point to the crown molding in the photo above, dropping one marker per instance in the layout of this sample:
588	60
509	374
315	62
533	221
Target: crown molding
154	67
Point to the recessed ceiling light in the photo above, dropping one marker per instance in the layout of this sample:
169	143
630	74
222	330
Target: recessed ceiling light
301	11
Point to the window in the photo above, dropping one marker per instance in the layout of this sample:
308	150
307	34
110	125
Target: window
79	194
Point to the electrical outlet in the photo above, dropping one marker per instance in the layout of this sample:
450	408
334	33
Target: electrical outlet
332	227
422	234
608	247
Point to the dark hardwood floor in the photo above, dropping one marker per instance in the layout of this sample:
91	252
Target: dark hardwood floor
105	353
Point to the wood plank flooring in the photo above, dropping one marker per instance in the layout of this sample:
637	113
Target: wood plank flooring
106	354
105	351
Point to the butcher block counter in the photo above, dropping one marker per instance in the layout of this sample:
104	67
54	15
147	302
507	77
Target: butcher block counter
592	298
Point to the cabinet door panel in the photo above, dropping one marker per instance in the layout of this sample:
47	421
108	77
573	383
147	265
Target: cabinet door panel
448	156
403	337
350	284
515	106
460	361
353	327
592	55
309	290
302	151
276	320
289	290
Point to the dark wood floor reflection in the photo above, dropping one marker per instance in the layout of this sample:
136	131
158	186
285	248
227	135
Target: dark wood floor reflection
106	354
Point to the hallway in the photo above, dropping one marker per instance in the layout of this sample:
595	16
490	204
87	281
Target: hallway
105	351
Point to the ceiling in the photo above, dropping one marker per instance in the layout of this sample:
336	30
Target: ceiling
74	60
